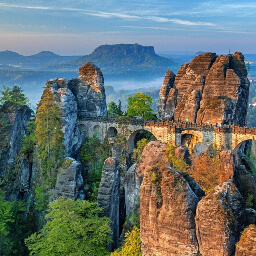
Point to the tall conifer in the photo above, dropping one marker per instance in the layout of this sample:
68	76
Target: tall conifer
49	136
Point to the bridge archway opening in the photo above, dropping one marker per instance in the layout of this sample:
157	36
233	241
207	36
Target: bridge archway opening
97	131
245	154
190	138
133	141
112	132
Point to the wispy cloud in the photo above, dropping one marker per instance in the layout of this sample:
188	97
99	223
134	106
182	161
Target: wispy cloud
109	15
154	28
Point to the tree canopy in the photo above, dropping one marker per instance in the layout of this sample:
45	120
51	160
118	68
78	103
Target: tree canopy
14	95
132	245
73	228
115	110
140	104
49	136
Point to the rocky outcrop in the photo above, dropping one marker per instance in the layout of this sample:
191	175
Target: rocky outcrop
13	125
167	97
227	165
244	178
66	101
210	89
219	220
89	92
109	197
167	206
69	180
247	243
78	98
132	182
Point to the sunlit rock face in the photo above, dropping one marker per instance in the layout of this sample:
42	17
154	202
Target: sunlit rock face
167	206
209	89
78	98
220	217
89	92
247	243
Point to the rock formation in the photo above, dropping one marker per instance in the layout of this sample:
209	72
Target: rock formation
78	98
89	92
13	126
247	243
167	96
69	180
209	89
109	197
219	220
167	206
132	183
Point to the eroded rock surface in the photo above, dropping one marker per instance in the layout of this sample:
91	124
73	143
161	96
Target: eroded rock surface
69	180
219	220
167	206
132	182
167	96
89	92
247	243
109	197
209	89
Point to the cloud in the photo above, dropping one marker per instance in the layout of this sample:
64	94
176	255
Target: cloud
113	15
155	28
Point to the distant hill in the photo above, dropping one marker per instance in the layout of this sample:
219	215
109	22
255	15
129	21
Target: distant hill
35	62
120	59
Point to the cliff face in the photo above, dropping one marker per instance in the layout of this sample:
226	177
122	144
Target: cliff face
13	126
109	197
175	216
247	243
89	91
219	220
209	89
78	98
167	206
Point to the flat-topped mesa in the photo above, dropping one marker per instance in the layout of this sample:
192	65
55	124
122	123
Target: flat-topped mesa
210	89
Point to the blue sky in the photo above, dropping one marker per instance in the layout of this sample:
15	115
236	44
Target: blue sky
77	27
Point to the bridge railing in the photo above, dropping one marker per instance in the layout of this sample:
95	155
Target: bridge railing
174	124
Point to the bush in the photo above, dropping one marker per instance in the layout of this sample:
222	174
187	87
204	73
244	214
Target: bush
72	228
132	244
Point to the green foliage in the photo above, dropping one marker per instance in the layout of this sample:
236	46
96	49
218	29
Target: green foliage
114	110
29	140
249	201
177	163
140	105
67	162
72	228
14	95
92	155
250	160
141	144
12	228
132	244
49	136
40	199
251	114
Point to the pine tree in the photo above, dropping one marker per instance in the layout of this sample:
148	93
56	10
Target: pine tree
49	136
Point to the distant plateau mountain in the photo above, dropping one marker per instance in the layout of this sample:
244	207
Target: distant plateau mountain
121	59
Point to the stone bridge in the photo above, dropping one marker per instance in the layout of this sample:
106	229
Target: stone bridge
191	135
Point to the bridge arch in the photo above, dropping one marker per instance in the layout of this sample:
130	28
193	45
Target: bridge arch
97	131
190	138
136	136
111	132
